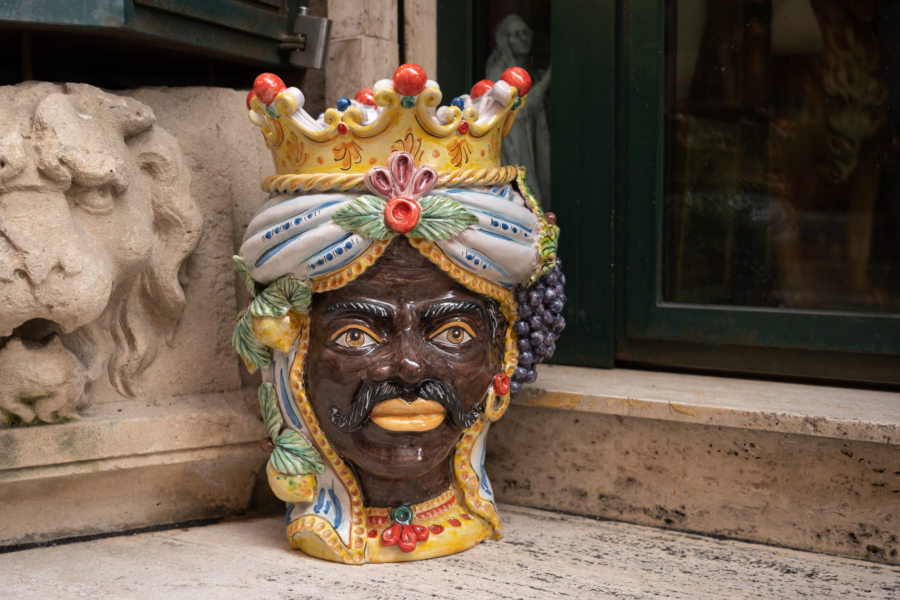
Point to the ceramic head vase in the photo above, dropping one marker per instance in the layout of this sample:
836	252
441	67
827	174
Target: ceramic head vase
404	285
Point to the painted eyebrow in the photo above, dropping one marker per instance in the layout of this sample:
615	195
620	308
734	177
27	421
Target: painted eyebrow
359	306
452	306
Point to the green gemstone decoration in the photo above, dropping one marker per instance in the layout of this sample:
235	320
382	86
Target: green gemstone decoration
402	514
272	112
408	101
517	103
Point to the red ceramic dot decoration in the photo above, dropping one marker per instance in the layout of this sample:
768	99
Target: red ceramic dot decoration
401	215
501	384
342	128
365	96
463	127
267	86
518	78
409	80
481	88
250	96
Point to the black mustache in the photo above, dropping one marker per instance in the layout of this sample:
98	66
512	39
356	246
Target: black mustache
370	394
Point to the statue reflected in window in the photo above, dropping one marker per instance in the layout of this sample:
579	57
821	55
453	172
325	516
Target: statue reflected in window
528	143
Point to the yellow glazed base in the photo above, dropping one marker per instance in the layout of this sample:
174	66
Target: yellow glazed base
451	528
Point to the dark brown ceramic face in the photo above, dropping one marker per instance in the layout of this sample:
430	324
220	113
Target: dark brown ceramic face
402	321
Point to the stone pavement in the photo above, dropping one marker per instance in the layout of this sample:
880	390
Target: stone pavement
543	555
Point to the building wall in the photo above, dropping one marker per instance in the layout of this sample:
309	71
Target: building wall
178	440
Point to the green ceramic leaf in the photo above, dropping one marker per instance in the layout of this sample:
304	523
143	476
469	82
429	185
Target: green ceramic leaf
269	303
268	405
441	218
547	246
254	353
281	296
365	216
243	270
293	455
296	292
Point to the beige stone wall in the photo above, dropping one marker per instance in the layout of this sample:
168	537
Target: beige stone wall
363	48
184	445
420	35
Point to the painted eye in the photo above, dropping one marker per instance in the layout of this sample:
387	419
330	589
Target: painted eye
454	334
355	336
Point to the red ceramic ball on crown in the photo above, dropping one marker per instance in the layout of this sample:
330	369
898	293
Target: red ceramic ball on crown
365	96
518	78
250	96
481	88
409	80
267	86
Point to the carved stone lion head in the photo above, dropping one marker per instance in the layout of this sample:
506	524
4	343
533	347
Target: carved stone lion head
96	220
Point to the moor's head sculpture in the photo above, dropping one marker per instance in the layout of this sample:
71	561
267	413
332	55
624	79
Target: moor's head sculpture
96	220
404	286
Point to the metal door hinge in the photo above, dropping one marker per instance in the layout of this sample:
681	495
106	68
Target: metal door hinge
308	42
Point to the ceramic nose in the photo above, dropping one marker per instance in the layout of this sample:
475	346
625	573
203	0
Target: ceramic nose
410	366
405	362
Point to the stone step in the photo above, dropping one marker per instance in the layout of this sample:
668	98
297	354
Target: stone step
543	555
801	466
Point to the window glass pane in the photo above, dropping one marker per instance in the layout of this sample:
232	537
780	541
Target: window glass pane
782	183
519	36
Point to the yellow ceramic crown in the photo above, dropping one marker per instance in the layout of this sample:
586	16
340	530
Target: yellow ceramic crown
399	114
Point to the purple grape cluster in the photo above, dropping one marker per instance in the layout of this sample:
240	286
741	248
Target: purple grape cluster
539	324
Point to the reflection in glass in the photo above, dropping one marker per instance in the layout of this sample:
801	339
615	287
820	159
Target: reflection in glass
528	143
783	154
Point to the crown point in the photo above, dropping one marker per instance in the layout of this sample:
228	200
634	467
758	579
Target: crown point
409	80
267	86
481	88
365	96
250	96
343	104
518	78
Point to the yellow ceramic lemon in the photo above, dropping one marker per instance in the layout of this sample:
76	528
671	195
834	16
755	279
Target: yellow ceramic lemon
277	332
291	488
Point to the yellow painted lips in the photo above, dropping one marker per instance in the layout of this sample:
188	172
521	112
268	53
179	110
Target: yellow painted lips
399	415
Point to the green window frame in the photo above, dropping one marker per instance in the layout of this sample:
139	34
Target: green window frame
244	30
578	154
608	159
